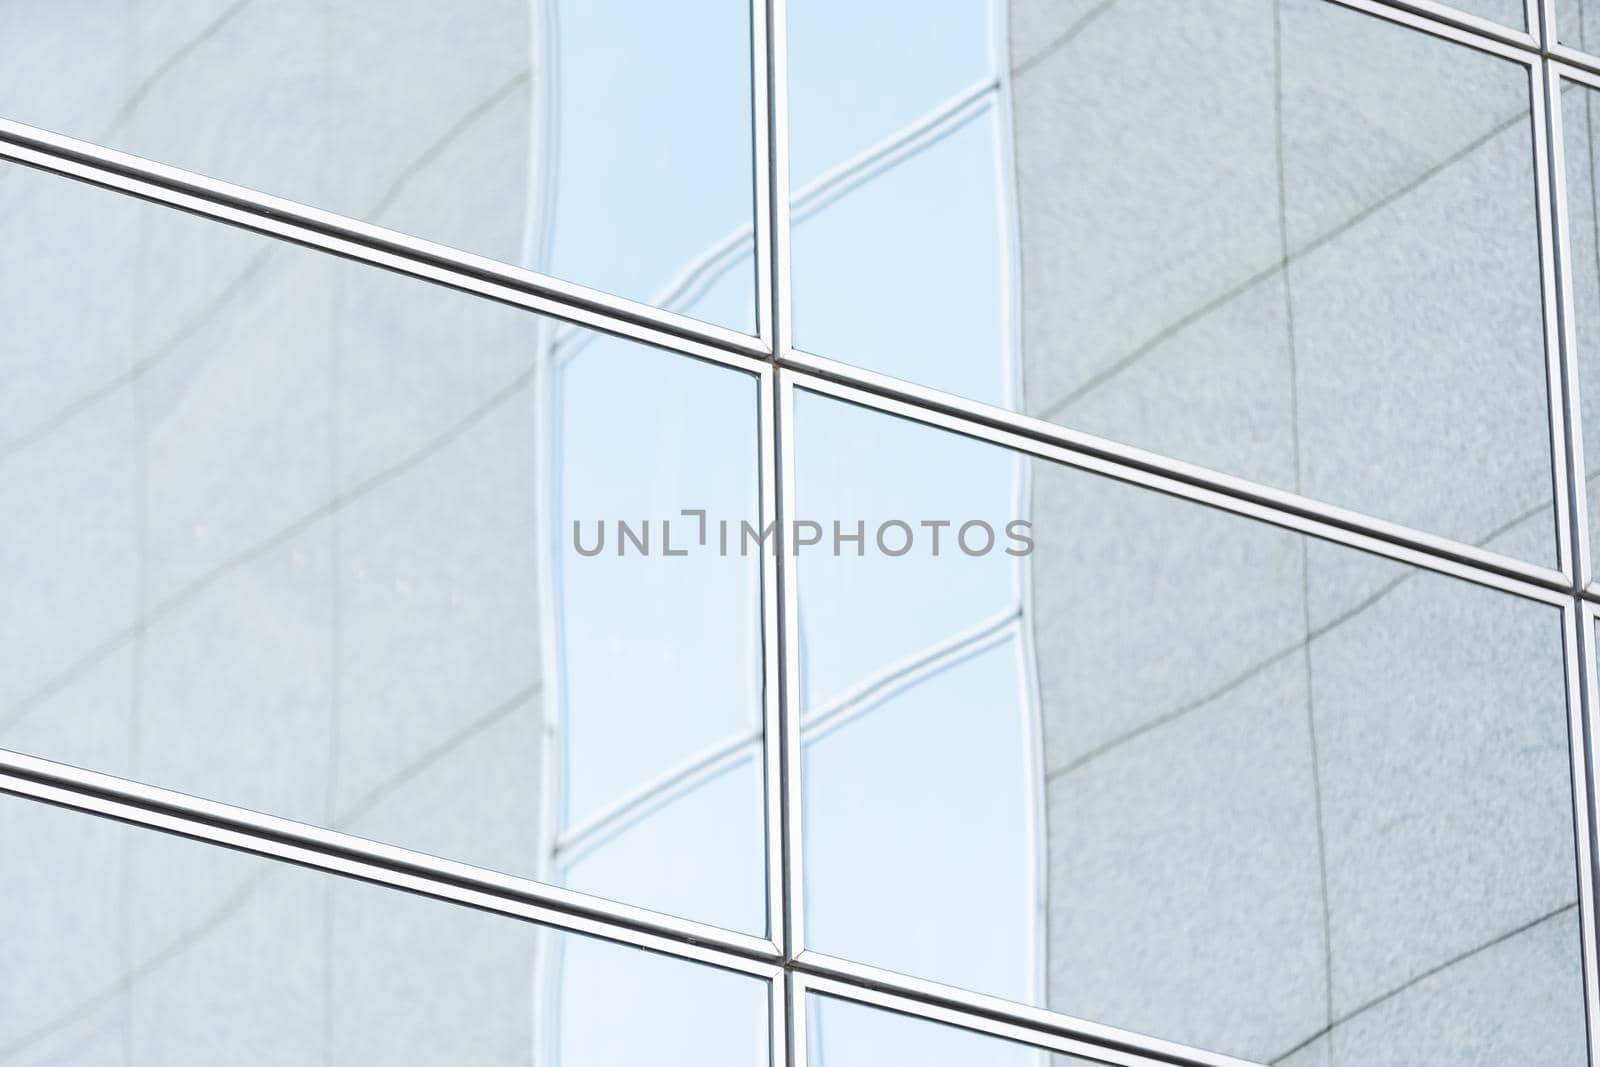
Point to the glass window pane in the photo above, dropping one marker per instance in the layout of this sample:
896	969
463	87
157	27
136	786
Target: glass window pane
1173	770
1578	24
842	1033
125	946
1199	227
548	135
1506	12
297	534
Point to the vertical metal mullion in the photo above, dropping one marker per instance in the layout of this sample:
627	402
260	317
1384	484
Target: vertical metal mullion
796	983
779	614
781	1022
1556	376
777	96
772	669
793	941
1559	325
1577	628
761	168
1577	617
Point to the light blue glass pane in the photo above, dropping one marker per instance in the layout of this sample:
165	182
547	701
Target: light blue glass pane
868	246
840	1033
861	73
961	743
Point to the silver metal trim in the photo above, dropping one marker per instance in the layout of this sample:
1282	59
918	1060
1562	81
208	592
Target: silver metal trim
1135	466
1576	72
778	1019
1580	65
832	989
1577	638
1440	20
991	1015
1549	299
778	168
355	857
773	667
1571	412
793	940
389	249
795	985
761	171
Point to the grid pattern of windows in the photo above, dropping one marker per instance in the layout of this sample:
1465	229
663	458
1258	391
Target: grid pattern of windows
1055	532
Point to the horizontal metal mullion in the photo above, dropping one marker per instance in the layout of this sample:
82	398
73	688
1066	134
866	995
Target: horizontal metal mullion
375	245
353	857
1049	441
1576	67
993	1015
1440	20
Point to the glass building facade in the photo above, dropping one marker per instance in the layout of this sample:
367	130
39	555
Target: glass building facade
800	533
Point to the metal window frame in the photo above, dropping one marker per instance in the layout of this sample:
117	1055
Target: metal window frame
780	958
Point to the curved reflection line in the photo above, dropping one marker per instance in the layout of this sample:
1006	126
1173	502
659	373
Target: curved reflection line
1062	39
250	554
661	796
452	741
690	284
701	767
85	401
1250	672
1307	677
180	944
831	184
336	503
235	286
541	177
465	122
1425	975
1036	832
1282	263
166	66
901	676
692	281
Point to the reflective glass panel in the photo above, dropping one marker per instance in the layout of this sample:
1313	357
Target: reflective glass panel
1578	24
297	534
1162	767
124	946
842	1033
1205	228
604	142
1506	12
1580	122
